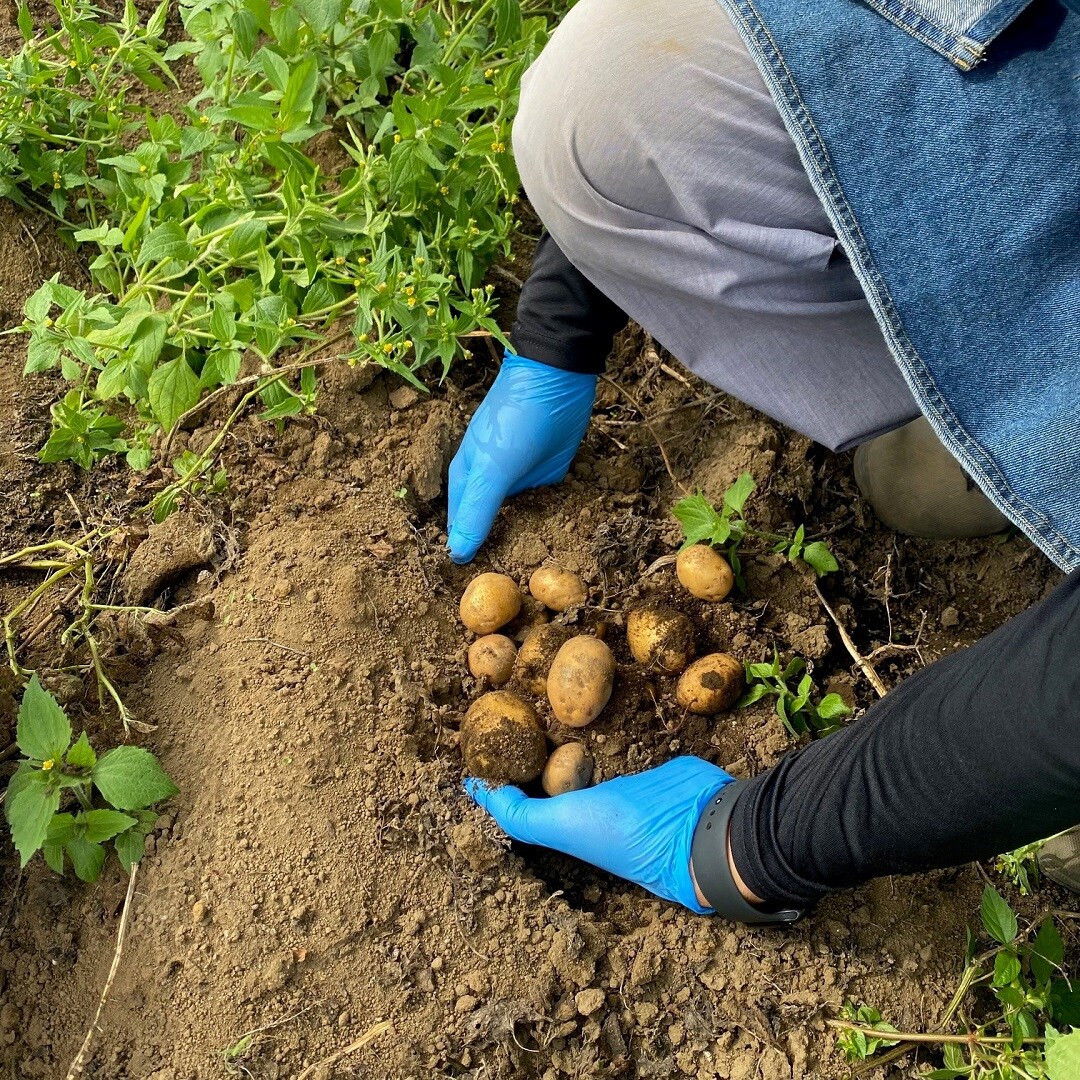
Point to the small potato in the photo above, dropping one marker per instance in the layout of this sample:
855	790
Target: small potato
580	681
711	684
536	655
501	739
490	601
557	588
492	657
704	572
568	769
660	637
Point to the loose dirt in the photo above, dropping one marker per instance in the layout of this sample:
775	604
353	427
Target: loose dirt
322	872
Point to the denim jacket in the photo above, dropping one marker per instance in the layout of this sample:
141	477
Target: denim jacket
944	142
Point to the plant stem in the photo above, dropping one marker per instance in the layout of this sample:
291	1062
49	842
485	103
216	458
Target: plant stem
973	1039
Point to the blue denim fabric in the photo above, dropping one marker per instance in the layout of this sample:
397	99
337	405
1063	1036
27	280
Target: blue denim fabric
957	198
958	29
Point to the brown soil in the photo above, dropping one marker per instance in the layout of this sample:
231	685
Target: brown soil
322	871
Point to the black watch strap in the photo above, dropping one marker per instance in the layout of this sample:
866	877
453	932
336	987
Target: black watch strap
708	854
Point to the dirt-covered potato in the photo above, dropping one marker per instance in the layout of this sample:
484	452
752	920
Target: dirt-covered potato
580	681
492	657
557	588
489	601
711	684
536	655
502	740
704	572
660	637
568	769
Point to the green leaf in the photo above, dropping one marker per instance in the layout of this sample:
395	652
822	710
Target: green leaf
222	367
29	812
166	241
87	858
103	825
698	518
43	731
274	68
1065	1001
832	707
130	778
26	24
130	846
173	389
41	355
54	856
997	917
300	90
257	117
320	15
1062	1054
1047	952
81	755
247	238
1006	967
735	497
818	556
39	304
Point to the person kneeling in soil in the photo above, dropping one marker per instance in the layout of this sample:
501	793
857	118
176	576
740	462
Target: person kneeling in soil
865	228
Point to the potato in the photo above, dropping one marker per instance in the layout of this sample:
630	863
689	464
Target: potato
704	572
502	740
492	657
568	769
490	601
535	657
660	637
557	588
711	684
580	681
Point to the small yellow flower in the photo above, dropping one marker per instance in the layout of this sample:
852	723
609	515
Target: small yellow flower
411	301
464	89
473	230
362	261
401	275
94	67
356	283
73	63
409	290
363	339
429	311
436	122
397	136
443	189
340	260
420	260
290	322
489	72
381	287
48	322
142	168
204	119
47	765
498	147
388	348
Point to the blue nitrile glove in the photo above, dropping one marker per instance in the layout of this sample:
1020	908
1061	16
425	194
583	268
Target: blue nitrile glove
637	827
524	435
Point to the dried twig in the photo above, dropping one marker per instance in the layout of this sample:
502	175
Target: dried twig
864	664
652	431
82	1056
357	1044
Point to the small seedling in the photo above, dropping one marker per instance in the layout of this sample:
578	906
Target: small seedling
794	707
126	782
727	529
1023	998
1021	866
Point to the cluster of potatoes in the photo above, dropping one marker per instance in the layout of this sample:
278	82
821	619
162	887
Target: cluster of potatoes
502	738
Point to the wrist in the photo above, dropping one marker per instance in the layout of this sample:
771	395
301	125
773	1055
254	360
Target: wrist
744	890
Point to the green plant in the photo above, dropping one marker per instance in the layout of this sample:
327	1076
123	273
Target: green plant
127	779
1021	866
727	529
794	706
223	233
1011	1004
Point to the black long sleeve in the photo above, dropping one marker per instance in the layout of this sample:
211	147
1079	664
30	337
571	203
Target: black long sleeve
976	754
562	319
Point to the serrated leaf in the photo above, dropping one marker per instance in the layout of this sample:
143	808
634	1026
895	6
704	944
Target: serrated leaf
1047	952
832	707
54	856
1006	967
698	518
39	304
735	497
102	825
818	556
320	15
130	847
166	241
26	24
997	917
43	730
130	778
1062	1054
81	755
173	389
87	858
29	812
41	355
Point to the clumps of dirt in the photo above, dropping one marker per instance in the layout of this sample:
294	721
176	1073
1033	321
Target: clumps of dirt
183	541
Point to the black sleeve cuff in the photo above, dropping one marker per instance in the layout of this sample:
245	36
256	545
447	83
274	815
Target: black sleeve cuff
563	320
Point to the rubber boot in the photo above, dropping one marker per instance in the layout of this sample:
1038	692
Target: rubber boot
917	487
1059	859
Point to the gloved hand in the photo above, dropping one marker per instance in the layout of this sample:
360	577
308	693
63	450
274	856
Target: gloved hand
524	435
637	827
